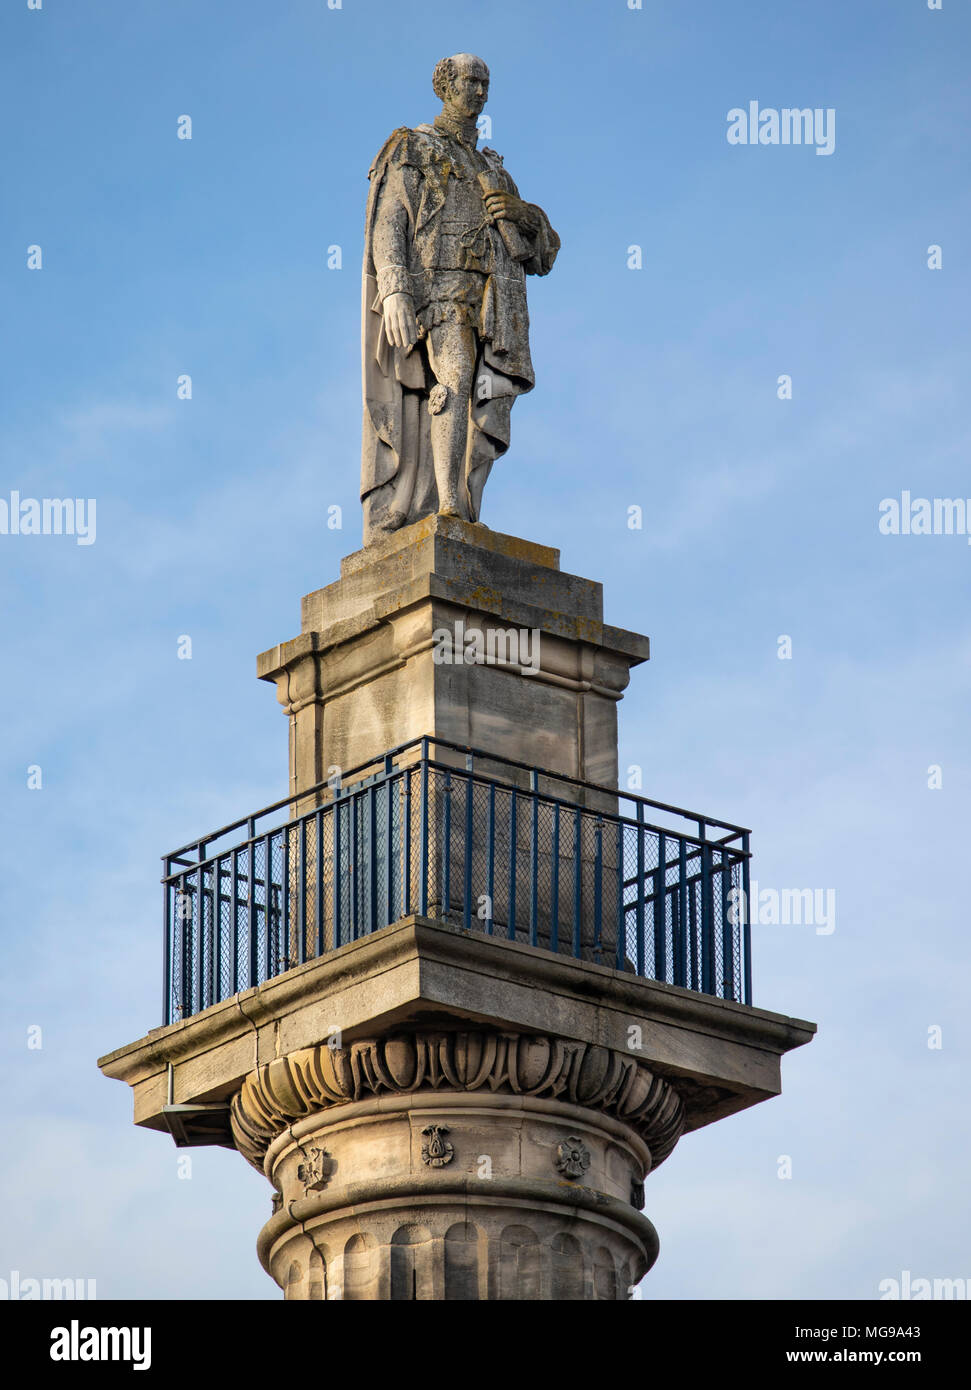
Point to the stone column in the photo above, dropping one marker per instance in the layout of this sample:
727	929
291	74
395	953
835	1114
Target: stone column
446	1115
458	1165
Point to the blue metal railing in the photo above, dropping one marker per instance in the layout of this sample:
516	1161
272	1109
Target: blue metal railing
480	841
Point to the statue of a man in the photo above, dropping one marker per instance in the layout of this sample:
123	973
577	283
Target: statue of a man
448	246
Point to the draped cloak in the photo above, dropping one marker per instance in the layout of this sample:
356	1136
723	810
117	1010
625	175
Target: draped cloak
408	195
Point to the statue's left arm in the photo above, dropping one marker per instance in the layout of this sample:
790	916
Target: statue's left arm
532	223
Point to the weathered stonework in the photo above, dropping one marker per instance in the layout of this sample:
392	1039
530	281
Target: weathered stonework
517	1060
448	244
499	1220
523	1124
362	677
493	1062
445	1114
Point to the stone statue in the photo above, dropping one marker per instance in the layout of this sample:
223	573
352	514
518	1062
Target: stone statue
445	329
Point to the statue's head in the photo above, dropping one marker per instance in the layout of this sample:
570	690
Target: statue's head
462	83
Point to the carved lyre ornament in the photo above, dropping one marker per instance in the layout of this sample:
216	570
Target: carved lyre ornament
436	1151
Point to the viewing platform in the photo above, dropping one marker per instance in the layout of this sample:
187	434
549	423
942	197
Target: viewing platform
480	842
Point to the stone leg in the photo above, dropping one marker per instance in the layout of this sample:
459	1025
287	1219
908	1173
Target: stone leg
452	355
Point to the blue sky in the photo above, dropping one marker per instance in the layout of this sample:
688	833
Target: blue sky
656	388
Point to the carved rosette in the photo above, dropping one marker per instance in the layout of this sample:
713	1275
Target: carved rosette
317	1078
572	1157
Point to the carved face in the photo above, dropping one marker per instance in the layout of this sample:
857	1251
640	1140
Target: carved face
468	89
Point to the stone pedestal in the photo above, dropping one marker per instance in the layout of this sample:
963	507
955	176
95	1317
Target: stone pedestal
363	676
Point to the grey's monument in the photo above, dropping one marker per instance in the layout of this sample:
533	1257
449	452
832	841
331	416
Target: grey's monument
445	328
456	996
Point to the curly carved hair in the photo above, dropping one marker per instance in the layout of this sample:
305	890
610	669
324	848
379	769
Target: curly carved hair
446	71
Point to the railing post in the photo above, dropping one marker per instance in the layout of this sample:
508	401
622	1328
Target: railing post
389	787
447	849
513	856
200	933
598	839
353	870
693	938
746	922
555	883
215	952
302	876
707	924
621	952
661	911
336	805
491	860
372	798
186	936
577	883
641	891
319	885
166	947
268	905
728	954
234	920
423	833
467	856
252	911
681	944
406	842
534	861
285	913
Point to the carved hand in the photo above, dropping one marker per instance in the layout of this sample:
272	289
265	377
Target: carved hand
507	207
400	323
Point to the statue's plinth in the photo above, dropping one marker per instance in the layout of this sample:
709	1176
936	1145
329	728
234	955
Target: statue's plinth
366	673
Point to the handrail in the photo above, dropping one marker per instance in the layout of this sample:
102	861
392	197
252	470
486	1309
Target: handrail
459	844
328	784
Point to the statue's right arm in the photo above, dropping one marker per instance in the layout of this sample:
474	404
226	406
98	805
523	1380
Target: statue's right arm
397	201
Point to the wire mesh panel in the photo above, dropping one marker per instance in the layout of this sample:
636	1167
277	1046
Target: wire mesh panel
682	923
502	857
